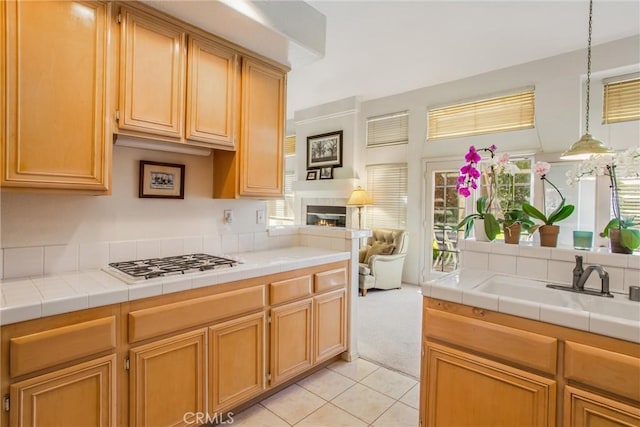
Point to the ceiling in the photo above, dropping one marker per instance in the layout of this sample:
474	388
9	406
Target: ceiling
379	48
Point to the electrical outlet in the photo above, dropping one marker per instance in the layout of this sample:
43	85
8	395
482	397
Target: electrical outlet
228	216
260	216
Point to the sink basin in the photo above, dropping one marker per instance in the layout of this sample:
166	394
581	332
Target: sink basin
536	291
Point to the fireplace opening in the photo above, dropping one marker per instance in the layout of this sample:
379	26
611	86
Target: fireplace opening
327	216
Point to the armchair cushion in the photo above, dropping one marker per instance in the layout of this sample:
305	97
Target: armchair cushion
379	248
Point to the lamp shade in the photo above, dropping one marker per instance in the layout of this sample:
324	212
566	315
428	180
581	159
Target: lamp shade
584	148
359	197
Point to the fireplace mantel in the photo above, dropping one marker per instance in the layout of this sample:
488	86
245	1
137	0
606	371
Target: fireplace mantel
323	188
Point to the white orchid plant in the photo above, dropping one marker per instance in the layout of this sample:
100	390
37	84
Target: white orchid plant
627	164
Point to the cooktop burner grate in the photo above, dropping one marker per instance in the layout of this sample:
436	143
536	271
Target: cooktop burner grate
169	266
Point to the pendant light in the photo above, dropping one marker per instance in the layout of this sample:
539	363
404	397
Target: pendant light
587	145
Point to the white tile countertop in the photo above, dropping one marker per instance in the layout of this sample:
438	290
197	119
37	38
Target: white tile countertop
34	297
616	317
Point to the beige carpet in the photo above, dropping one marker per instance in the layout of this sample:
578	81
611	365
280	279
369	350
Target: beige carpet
389	328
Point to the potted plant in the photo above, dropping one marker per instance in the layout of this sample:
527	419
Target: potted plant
623	238
548	231
515	220
483	221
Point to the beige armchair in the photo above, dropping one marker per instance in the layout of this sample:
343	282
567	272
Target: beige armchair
382	260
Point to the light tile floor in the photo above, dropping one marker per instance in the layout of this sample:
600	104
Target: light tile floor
346	394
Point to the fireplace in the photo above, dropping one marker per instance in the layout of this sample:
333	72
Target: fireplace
327	216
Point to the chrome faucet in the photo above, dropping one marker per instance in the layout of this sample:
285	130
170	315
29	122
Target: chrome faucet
580	276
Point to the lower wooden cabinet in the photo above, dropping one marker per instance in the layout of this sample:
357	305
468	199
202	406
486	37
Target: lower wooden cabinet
585	409
81	395
330	326
481	367
291	339
168	380
236	360
466	390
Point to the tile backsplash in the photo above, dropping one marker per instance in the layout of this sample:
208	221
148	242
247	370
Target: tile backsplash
553	264
53	259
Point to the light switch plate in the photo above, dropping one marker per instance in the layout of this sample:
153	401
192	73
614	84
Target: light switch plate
228	216
260	216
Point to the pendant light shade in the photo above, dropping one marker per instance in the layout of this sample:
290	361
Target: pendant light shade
587	145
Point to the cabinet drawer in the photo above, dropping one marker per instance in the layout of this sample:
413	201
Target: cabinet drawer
41	350
604	369
288	290
515	345
332	279
152	322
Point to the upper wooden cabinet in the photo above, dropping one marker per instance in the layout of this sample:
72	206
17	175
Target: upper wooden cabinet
256	169
56	133
192	95
152	75
211	93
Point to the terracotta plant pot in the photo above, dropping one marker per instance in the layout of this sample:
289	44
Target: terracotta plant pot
614	243
549	235
512	233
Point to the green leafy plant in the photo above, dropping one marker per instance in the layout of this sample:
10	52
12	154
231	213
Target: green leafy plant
629	237
563	210
491	224
514	216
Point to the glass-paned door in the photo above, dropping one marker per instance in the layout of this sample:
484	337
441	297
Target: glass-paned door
443	210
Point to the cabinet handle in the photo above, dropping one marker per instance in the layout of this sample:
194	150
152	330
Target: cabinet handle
478	311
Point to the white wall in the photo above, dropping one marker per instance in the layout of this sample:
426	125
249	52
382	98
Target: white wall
33	219
558	83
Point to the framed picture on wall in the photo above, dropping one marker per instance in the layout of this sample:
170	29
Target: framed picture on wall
326	173
161	180
324	150
312	175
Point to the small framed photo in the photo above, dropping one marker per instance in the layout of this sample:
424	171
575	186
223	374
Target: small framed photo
324	150
161	180
326	173
312	175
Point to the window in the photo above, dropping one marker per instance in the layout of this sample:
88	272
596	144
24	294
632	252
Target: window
388	130
387	186
629	198
621	101
281	212
498	114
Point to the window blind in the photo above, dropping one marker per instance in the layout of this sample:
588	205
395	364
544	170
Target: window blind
283	209
499	114
388	129
621	101
387	186
290	145
629	198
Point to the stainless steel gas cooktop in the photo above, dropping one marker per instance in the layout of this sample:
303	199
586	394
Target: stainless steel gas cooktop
133	271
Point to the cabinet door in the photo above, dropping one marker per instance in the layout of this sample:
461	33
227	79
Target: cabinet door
211	94
81	395
57	58
585	409
291	334
152	75
330	329
464	390
262	135
236	358
168	379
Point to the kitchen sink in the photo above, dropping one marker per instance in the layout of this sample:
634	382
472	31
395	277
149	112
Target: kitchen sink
536	291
